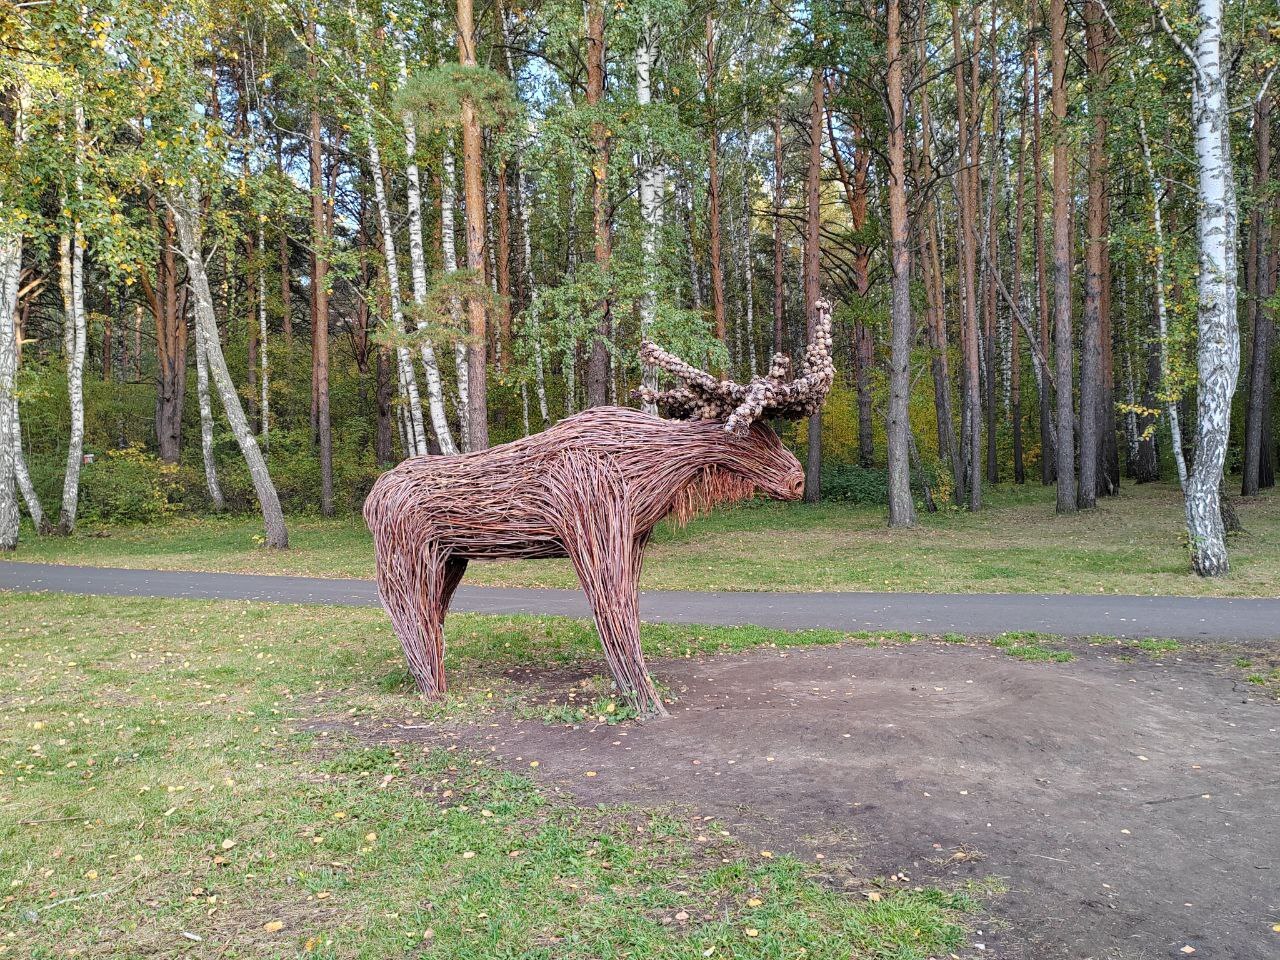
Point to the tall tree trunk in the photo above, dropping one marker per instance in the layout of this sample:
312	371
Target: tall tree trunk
185	207
812	273
418	271
1259	396
746	265
10	270
650	213
1218	344
533	321
713	186
319	281
1062	263
966	189
502	258
1015	360
902	509
449	258
864	361
779	281
991	269
171	342
473	188
598	361
1091	374
264	370
72	268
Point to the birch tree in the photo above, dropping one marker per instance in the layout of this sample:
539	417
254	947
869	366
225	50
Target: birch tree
205	403
10	274
72	270
449	263
418	271
1218	341
648	196
184	204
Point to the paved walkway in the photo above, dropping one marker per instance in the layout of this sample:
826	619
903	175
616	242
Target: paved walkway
1180	618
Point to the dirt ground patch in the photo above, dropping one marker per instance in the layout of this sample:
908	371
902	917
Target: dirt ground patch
1127	807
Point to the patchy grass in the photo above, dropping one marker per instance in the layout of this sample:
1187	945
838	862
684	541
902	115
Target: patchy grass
1031	648
1131	544
160	797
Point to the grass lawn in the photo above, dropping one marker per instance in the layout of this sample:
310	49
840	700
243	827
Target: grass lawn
1132	544
160	795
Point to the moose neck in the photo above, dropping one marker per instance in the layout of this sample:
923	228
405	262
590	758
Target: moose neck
691	472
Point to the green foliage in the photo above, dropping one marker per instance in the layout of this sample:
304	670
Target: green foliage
128	485
436	96
851	483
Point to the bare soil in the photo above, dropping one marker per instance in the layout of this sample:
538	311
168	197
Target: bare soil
1126	805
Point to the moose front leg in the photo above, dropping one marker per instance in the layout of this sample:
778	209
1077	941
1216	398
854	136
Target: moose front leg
592	511
416	583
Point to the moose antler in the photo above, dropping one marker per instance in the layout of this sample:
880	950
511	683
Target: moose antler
700	396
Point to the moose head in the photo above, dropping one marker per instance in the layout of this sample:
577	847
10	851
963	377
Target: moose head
591	488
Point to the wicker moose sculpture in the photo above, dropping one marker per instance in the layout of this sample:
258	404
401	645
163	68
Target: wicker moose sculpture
590	488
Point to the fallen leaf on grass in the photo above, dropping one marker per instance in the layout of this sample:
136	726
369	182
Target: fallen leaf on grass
273	926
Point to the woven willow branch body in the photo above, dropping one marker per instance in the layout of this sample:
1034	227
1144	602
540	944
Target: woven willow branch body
591	488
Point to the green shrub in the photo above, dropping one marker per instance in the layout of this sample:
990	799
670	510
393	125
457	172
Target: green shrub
851	483
128	485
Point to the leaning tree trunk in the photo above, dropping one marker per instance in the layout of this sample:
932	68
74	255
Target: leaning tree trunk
206	423
186	212
1218	345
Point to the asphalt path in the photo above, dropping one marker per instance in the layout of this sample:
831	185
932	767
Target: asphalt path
1179	618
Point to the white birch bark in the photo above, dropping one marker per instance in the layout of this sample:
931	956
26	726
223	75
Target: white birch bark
418	268
1218	345
449	261
404	361
185	207
531	317
75	318
408	378
264	370
10	265
206	423
649	210
10	271
1162	317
